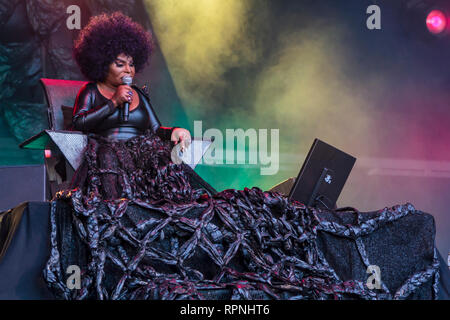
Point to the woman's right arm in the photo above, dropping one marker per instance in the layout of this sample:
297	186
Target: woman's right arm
86	115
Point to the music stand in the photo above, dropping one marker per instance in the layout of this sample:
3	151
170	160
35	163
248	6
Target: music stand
322	176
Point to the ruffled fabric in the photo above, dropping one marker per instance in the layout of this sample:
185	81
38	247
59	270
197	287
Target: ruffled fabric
138	228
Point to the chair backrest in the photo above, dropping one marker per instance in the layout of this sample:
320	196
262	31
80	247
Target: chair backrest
60	93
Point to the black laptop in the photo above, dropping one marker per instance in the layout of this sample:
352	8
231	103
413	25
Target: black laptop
322	176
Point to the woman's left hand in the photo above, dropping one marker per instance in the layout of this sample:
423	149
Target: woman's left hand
180	135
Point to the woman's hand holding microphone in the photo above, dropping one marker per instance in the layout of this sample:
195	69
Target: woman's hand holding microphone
123	94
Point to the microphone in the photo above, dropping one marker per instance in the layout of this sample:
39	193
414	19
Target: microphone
126	107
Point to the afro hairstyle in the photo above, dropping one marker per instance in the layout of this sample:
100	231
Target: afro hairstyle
104	38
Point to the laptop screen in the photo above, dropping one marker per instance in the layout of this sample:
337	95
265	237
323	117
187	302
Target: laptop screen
322	176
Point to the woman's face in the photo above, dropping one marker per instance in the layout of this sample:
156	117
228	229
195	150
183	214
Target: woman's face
122	66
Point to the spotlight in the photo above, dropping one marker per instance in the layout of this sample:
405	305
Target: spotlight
47	153
436	21
427	21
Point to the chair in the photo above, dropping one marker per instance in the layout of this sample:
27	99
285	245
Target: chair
60	94
65	146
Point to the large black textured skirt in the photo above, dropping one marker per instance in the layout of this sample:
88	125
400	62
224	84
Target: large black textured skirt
139	226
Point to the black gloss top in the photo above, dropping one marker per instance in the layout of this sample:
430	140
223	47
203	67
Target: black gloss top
113	125
94	113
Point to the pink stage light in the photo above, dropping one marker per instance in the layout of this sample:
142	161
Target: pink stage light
436	21
48	153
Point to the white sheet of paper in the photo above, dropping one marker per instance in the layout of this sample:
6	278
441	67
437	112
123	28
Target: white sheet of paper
194	153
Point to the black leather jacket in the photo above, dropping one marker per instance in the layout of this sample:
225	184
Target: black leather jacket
94	113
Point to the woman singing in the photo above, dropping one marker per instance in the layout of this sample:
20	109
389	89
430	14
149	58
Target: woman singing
140	226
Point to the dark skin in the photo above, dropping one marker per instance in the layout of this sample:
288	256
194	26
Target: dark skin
113	89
